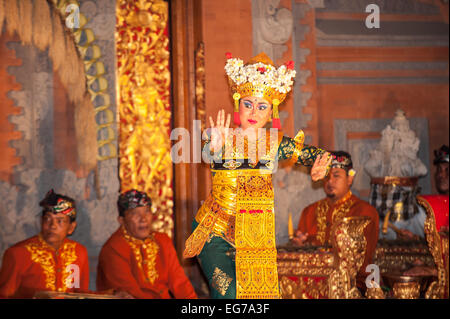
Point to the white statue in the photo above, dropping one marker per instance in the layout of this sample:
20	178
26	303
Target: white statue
396	154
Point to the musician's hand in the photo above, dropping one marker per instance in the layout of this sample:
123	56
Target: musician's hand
219	130
299	238
321	164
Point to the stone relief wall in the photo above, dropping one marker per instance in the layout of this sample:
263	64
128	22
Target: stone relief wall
273	26
20	211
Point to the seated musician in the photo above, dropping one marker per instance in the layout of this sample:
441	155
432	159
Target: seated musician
317	219
141	262
415	229
441	161
48	261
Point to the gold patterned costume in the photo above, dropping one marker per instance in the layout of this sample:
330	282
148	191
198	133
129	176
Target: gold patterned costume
237	219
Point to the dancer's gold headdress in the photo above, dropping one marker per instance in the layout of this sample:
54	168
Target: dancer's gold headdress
260	78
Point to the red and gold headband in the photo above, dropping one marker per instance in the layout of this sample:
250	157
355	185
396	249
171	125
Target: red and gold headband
56	203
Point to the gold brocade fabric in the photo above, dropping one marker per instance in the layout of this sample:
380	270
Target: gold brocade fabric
342	207
256	254
146	261
42	253
221	281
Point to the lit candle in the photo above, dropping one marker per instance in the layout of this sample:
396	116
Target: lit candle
290	227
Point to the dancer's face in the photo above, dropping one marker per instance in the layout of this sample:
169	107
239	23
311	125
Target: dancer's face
254	112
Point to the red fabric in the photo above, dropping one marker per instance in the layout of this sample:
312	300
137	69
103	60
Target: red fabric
21	277
439	205
276	123
308	224
118	269
236	118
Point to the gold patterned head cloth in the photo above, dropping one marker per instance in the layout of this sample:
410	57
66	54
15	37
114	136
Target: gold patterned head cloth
260	78
56	203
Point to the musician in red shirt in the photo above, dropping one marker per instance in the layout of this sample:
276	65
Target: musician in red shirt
317	219
141	262
48	261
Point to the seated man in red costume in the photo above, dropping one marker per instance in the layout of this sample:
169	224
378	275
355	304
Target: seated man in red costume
141	262
317	219
48	261
438	204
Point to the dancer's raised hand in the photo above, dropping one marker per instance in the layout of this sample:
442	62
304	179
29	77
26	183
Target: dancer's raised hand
320	167
219	130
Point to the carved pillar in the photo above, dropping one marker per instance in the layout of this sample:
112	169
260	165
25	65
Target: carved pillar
188	105
142	48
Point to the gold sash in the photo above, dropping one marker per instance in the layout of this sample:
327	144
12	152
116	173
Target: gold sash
256	254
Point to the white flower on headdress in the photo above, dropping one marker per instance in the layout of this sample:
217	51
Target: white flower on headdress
259	73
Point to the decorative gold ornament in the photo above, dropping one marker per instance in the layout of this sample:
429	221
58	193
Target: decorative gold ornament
392	258
303	288
375	293
349	245
324	272
406	290
438	245
142	48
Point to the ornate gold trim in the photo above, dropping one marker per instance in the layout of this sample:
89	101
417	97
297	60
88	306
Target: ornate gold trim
146	263
342	207
436	245
334	268
42	254
45	259
349	246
